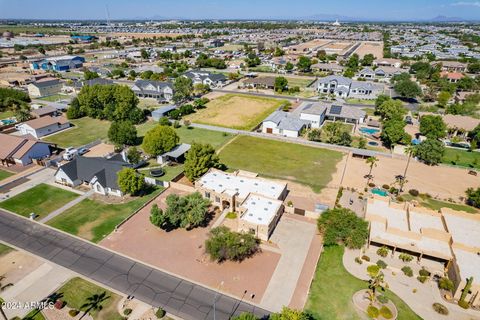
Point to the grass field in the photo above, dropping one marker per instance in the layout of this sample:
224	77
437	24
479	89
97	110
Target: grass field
16	29
4	249
55	97
306	165
41	199
360	101
94	220
170	172
369	111
462	158
437	204
77	291
86	130
5	174
299	82
6	114
190	135
34	315
236	111
331	291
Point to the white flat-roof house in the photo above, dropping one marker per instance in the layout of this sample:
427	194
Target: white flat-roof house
258	202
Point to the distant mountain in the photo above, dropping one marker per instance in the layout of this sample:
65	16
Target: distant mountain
446	19
329	17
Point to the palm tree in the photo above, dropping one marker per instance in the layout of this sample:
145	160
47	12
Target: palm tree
372	162
376	282
410	150
94	303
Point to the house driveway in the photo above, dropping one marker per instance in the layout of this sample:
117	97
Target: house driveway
44	176
293	237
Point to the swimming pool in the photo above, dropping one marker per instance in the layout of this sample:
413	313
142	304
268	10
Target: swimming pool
369	131
7	121
373	143
379	192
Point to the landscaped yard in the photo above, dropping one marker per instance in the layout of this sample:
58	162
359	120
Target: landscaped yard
94	220
433	204
4	249
170	172
236	111
299	82
85	130
55	97
5	174
462	158
306	165
331	292
41	200
6	114
77	291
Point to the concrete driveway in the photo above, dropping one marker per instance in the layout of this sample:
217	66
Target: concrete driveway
43	176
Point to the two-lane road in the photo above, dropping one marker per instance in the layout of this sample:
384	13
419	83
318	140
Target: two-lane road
177	296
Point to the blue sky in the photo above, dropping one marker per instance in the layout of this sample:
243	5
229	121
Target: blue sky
241	9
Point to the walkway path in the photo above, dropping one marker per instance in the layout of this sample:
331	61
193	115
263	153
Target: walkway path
177	296
67	206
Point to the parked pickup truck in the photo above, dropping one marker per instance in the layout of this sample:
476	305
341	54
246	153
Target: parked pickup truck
70	153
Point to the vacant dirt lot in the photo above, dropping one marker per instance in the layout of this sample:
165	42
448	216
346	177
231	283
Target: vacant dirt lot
375	48
439	181
236	111
100	150
181	252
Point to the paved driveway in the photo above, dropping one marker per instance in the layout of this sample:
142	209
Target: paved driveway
177	296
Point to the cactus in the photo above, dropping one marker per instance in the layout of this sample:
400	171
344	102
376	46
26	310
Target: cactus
466	289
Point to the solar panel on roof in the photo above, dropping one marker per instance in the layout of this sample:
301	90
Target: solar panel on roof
336	110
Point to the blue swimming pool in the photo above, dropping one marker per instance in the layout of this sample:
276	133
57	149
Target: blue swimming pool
369	131
379	192
7	121
373	143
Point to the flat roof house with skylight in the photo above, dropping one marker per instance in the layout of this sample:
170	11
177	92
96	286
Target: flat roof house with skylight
258	202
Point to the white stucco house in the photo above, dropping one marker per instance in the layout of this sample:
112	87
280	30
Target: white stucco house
43	126
284	123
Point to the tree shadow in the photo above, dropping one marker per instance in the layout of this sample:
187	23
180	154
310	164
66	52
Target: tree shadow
94	303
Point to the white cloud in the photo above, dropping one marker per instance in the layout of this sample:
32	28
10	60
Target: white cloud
466	4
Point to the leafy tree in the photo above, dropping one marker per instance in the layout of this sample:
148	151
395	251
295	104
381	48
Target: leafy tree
163	121
345	139
368	59
380	100
443	98
340	225
430	151
304	64
223	244
349	73
314	135
335	133
183	88
433	127
281	84
89	75
74	111
391	110
133	155
473	197
122	132
362	143
290	314
400	77
252	60
117	73
199	159
41	50
474	67
246	316
408	89
278	52
130	182
159	140
144	54
475	134
353	62
289	66
393	133
157	216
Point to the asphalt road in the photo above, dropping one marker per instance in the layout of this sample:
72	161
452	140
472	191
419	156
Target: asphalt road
177	296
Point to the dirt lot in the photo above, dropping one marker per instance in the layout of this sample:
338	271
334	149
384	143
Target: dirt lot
100	150
182	253
15	265
375	48
439	181
236	111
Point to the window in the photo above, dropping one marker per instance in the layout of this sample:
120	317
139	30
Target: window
217	199
207	195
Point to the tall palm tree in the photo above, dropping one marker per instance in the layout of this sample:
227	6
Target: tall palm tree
410	150
372	162
376	282
94	303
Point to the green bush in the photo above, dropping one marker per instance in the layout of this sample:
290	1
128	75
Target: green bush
424	272
464	304
386	312
422	279
127	311
231	215
405	257
373	269
386	186
382	264
160	313
223	244
383	252
358	260
382	299
366	258
446	284
73	313
373	312
407	271
440	308
413	192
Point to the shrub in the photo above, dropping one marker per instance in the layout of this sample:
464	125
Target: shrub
371	185
464	304
231	215
440	308
405	257
290	203
400	199
382	299
373	312
160	313
73	313
358	260
422	279
383	252
373	269
127	311
176	124
59	304
382	264
386	186
223	244
446	284
366	258
386	312
407	271
424	272
414	192
414	290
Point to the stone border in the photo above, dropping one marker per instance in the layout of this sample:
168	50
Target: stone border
361	295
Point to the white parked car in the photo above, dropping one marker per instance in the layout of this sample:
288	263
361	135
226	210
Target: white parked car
70	153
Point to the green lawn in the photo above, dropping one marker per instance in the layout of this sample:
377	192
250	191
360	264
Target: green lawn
331	291
360	101
437	204
6	114
462	158
77	291
170	172
55	97
41	199
94	220
299	82
306	165
4	249
369	111
5	174
34	315
85	130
